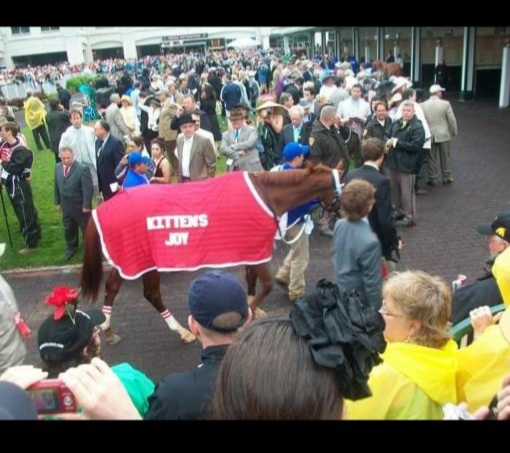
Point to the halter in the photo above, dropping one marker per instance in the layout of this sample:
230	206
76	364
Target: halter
337	187
332	207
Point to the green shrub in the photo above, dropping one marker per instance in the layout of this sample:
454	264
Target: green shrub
74	83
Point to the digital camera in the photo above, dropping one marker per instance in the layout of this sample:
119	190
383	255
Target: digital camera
51	396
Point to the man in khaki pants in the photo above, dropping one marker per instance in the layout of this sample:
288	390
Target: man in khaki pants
443	126
292	271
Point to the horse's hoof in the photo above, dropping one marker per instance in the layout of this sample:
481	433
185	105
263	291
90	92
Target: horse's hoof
187	337
260	314
114	339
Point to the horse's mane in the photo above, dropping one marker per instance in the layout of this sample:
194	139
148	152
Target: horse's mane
288	178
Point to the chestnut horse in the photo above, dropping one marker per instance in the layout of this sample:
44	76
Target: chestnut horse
280	191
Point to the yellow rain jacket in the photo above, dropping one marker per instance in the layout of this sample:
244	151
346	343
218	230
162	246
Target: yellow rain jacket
413	383
35	112
501	270
483	365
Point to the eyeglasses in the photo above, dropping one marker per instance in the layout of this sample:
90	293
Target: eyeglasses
384	311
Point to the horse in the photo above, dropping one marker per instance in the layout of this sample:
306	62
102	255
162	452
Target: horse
275	192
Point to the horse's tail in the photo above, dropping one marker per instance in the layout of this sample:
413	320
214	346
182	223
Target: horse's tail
92	271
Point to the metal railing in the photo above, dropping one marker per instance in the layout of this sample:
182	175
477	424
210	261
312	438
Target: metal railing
19	90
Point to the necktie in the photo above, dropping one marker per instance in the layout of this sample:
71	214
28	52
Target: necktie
404	124
297	130
237	135
66	171
99	148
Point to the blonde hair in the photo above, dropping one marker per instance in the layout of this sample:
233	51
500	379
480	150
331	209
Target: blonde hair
425	298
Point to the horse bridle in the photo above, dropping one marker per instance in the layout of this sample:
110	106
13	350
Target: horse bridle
337	187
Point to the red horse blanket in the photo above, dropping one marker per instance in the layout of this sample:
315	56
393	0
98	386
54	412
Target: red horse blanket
220	222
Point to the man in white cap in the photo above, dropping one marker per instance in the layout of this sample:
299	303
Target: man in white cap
443	126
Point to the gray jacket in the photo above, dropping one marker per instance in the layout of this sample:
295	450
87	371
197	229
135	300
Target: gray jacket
356	256
248	142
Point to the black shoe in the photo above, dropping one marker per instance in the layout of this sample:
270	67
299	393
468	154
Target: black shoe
448	181
69	255
430	183
397	216
405	223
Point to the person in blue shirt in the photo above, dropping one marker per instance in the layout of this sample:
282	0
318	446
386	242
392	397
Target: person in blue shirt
291	273
136	174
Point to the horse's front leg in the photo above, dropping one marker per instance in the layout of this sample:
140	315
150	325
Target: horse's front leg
263	275
112	288
251	282
151	291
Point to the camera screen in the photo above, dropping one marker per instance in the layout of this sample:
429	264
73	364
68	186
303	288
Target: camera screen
44	400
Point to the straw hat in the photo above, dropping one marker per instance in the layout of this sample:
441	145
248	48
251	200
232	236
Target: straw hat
270	105
126	99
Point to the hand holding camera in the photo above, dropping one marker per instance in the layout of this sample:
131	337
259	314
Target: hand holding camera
51	396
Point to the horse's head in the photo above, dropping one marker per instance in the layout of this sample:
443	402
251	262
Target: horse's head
331	198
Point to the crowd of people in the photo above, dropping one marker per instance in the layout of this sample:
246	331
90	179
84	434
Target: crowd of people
365	123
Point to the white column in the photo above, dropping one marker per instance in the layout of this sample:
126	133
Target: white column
504	90
468	64
439	52
396	50
286	47
129	46
415	55
74	48
367	52
265	42
380	43
355	43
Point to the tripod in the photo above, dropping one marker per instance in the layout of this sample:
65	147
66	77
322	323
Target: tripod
5	216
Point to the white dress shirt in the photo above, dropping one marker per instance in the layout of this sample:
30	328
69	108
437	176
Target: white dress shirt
186	156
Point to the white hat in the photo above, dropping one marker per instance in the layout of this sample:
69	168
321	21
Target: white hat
397	97
435	88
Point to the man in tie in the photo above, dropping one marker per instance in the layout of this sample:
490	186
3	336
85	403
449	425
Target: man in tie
239	144
297	131
73	197
109	152
81	140
404	142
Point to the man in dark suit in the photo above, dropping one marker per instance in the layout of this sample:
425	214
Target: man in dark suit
63	96
381	217
73	197
109	152
297	131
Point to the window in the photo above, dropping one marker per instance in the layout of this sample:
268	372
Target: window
20	30
50	28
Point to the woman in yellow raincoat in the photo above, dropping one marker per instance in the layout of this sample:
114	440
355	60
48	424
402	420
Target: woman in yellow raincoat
35	117
417	376
485	363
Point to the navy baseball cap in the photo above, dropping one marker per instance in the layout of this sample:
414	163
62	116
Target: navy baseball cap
15	404
218	302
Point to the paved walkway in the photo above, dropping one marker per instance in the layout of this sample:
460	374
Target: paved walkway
444	242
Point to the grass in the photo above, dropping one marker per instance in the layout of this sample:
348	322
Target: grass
52	248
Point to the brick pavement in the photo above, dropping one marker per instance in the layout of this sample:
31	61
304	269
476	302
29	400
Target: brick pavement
444	242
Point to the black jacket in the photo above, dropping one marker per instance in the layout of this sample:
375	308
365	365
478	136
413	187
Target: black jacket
187	395
381	216
410	140
328	146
